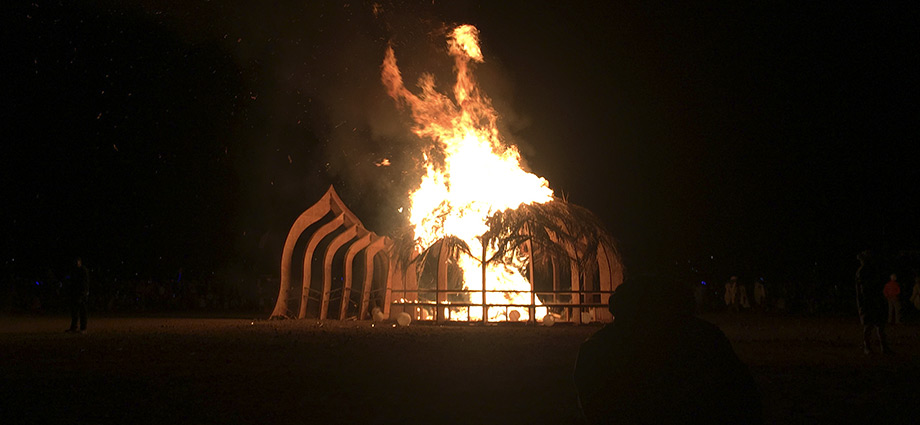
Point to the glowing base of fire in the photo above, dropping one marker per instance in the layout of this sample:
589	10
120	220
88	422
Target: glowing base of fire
470	312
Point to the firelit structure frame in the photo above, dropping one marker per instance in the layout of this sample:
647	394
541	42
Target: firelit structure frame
332	267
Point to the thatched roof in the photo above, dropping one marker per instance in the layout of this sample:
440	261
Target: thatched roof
557	228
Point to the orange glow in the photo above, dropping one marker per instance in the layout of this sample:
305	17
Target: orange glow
479	176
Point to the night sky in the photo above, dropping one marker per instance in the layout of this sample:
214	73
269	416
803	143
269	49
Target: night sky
750	139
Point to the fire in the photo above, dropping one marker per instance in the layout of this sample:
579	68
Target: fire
474	176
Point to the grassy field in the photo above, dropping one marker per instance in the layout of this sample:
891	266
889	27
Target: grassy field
246	371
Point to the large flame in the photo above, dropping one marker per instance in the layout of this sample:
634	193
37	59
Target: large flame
479	176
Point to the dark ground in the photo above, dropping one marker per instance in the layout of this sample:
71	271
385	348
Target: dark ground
225	371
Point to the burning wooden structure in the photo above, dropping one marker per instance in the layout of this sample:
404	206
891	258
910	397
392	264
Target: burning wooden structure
486	240
334	268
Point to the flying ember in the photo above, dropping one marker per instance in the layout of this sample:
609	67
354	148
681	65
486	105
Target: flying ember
471	174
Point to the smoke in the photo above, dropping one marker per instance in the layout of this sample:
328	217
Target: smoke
313	111
311	107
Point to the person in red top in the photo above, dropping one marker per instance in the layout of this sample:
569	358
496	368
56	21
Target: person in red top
892	291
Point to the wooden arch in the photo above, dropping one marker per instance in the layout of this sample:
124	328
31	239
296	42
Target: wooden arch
351	238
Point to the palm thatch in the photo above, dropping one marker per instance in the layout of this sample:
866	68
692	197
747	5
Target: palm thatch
558	229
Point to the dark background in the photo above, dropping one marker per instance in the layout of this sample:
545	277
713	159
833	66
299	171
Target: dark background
770	140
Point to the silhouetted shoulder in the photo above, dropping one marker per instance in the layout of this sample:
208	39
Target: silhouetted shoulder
682	370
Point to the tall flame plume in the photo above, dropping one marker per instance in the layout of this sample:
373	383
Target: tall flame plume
479	175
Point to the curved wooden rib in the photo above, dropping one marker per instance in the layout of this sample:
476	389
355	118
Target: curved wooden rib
372	250
328	203
306	219
328	256
353	250
321	233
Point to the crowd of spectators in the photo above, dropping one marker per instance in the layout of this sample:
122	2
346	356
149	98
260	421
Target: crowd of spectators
141	295
760	295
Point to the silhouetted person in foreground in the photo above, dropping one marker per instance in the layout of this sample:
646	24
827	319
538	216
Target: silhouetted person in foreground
78	295
658	364
870	301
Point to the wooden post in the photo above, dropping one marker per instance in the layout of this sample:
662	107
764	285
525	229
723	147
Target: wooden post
441	291
533	295
576	290
485	305
411	293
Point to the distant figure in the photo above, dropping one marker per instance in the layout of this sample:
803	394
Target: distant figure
870	301
77	295
731	293
892	293
742	295
658	364
915	296
760	294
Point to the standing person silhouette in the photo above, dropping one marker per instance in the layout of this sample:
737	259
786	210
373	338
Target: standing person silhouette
658	364
78	295
870	301
760	295
892	292
731	294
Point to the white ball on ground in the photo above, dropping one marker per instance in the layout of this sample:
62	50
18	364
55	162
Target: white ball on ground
549	320
377	315
403	319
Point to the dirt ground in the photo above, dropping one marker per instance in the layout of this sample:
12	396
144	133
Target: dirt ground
246	371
